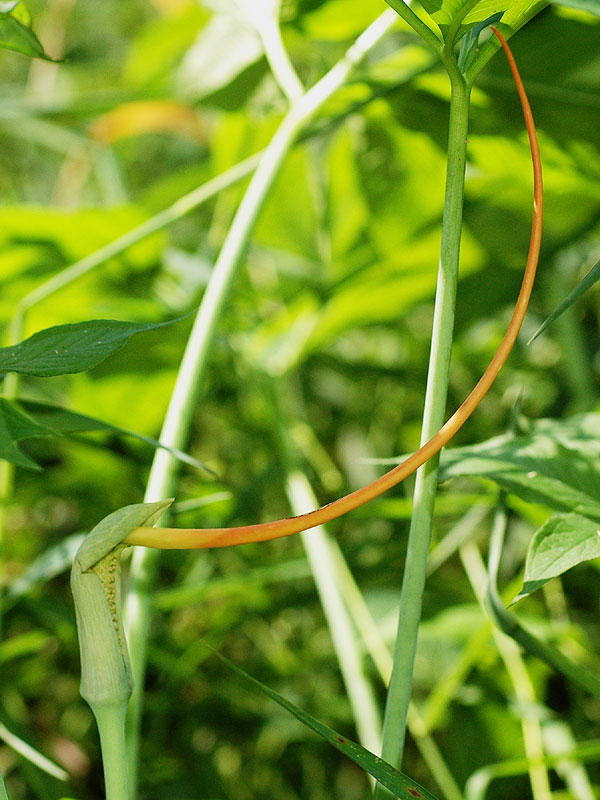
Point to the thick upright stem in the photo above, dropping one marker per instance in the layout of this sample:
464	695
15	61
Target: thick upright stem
433	416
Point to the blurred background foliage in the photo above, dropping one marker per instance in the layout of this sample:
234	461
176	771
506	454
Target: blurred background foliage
326	335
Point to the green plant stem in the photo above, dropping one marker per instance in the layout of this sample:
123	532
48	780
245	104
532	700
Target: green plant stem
176	211
416	23
188	383
415	570
521	681
7	469
320	554
111	727
282	68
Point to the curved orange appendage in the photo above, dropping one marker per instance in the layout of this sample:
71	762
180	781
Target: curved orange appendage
198	538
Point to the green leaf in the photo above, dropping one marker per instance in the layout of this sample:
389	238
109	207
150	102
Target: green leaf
204	70
402	786
14	427
564	541
15	35
586	283
593	6
66	349
467	14
61	420
556	463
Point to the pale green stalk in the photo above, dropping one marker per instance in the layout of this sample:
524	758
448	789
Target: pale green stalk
267	25
416	23
319	551
31	754
188	383
111	728
478	783
433	417
377	649
517	671
176	211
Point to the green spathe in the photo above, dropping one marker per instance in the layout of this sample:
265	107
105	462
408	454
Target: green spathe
95	582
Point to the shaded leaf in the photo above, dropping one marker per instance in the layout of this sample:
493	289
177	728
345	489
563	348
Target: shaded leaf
586	283
556	463
564	541
66	349
62	420
402	786
14	427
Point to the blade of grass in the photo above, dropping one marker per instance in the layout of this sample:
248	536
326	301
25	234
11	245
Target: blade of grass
586	283
403	787
31	754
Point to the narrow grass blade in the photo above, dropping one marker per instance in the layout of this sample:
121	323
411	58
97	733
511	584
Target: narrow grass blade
32	755
586	283
62	420
402	786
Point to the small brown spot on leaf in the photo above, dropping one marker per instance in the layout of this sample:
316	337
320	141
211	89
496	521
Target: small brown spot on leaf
340	739
414	793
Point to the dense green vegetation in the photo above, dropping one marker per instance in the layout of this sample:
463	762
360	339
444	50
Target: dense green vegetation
317	373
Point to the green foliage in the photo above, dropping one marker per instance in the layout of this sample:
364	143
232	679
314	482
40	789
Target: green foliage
67	349
15	30
334	301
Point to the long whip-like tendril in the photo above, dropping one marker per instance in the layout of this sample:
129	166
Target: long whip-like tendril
198	538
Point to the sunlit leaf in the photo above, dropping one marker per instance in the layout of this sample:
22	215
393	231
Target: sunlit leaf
18	36
403	787
204	69
67	349
556	463
563	542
